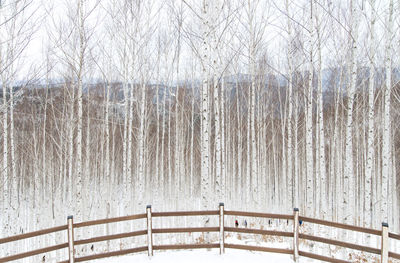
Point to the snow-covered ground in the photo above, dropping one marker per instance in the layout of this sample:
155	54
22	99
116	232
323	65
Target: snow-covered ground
203	256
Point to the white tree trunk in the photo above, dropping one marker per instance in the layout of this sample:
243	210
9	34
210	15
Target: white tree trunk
349	177
124	178
157	175
289	173
108	176
205	112
239	181
323	194
223	150
192	146
128	179
141	177
369	167
386	148
162	157
178	141
78	181
5	173
71	128
308	121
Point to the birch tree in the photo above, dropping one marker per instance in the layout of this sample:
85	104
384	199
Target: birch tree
322	189
308	118
369	168
205	108
15	35
386	134
292	199
349	176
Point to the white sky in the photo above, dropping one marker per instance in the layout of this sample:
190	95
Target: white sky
50	14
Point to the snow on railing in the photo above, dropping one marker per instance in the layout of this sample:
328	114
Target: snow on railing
71	245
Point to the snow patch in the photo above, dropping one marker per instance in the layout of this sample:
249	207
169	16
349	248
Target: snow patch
201	256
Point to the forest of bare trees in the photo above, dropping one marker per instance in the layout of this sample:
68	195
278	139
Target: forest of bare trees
265	105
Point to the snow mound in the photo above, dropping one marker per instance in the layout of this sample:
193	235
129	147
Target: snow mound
201	256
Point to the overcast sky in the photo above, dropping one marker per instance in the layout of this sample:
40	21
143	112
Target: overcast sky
50	17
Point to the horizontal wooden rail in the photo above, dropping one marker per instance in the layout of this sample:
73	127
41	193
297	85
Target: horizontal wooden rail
184	246
341	244
384	234
262	249
110	237
394	236
33	234
323	258
340	225
184	213
33	252
394	255
111	254
259	231
109	220
185	230
263	215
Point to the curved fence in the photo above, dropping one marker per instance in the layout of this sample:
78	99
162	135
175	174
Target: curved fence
295	235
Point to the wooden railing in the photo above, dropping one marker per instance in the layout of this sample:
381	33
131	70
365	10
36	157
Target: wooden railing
383	251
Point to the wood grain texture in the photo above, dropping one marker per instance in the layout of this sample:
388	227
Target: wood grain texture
110	237
111	254
262	249
185	230
33	234
340	225
340	243
185	213
394	236
33	252
394	255
263	215
322	258
258	231
109	220
185	246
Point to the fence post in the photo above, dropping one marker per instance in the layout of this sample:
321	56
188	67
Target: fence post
296	234
149	232
71	249
385	243
221	229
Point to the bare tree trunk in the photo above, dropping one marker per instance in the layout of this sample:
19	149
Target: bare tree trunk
177	139
308	120
349	177
205	112
70	152
82	43
5	170
386	149
369	166
125	179
323	194
223	149
129	142
289	173
141	176
162	157
192	145
239	145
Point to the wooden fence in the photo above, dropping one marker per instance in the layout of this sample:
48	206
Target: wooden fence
383	251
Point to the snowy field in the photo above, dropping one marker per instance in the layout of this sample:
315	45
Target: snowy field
201	256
